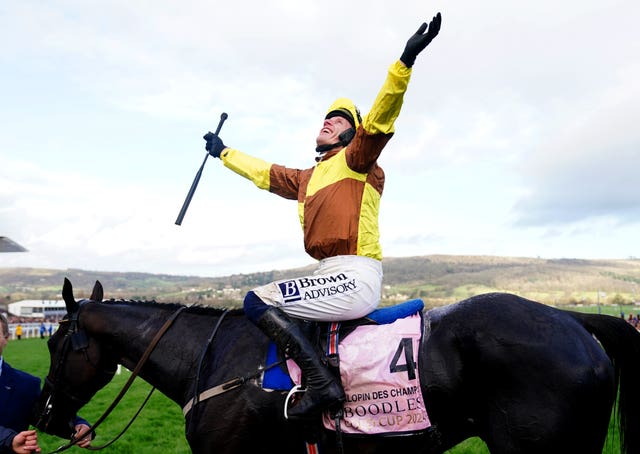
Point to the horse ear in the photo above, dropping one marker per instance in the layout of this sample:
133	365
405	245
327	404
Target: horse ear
67	296
97	293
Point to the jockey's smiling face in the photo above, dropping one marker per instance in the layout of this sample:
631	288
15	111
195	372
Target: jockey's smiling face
331	129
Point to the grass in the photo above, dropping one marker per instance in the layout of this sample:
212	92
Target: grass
160	425
608	309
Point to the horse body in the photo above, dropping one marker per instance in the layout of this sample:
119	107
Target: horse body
523	376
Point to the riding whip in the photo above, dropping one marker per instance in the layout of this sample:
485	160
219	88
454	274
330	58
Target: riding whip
196	180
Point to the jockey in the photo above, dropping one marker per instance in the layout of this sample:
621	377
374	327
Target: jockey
338	202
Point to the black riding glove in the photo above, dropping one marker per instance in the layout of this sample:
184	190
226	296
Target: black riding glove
420	40
214	144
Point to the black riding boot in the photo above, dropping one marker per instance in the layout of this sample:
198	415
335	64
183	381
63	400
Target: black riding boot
323	390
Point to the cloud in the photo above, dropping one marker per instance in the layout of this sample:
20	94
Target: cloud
517	134
89	223
587	167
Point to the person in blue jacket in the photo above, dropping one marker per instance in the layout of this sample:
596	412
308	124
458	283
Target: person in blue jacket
19	392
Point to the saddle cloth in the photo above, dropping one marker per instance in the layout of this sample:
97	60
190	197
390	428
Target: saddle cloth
379	371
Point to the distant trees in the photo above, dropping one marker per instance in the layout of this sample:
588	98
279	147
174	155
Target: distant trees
618	299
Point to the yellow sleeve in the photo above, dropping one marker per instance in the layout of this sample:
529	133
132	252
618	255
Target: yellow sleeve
254	169
386	107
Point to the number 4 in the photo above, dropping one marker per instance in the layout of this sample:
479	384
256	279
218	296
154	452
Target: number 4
409	366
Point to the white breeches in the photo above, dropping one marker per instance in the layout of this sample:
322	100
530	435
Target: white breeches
341	288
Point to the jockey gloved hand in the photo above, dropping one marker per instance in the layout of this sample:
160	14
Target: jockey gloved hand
420	40
214	144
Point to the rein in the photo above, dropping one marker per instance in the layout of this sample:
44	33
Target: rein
124	389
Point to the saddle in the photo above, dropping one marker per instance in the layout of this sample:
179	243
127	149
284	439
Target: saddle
376	358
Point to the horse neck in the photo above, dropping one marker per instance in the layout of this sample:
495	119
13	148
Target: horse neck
128	330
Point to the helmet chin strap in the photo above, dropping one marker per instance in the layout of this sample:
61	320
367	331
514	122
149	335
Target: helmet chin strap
344	138
326	147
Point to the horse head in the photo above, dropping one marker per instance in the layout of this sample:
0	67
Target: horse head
79	367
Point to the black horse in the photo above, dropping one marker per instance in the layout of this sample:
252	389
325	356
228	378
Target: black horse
522	376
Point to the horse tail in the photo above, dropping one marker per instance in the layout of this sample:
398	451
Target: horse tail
621	342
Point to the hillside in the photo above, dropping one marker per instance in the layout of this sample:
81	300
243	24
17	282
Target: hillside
436	279
446	279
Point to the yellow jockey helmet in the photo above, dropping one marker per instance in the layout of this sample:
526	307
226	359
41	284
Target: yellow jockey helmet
343	107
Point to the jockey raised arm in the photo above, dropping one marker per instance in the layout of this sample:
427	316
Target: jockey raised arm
338	203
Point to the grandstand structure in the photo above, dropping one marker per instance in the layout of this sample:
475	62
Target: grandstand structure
38	309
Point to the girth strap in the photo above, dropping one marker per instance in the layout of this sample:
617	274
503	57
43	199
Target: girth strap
226	386
211	392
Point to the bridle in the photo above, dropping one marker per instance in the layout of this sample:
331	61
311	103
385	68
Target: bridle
76	340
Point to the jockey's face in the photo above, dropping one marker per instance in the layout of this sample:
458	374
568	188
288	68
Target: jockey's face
331	129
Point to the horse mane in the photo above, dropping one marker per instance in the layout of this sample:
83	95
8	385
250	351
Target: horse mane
196	309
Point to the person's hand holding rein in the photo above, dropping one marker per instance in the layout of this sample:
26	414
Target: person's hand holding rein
420	40
82	433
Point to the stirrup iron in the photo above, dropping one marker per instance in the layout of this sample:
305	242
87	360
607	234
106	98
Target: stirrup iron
296	389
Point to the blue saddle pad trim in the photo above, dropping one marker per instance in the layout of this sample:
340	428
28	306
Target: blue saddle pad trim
390	314
276	377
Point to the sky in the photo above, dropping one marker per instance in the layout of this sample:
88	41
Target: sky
519	134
